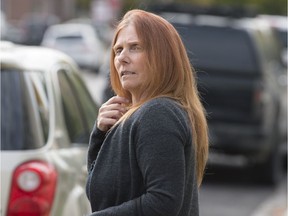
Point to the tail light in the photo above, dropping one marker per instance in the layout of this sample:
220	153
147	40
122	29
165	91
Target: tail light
258	95
258	99
32	190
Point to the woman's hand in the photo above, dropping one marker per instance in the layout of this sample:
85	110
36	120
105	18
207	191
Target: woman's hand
110	112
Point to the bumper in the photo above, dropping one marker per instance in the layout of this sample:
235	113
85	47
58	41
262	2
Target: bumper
239	139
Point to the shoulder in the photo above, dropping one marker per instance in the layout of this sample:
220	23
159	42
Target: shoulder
163	104
162	110
161	117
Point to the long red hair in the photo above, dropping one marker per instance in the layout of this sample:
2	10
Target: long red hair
171	74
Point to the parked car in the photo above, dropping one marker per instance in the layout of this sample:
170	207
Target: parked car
280	25
103	30
46	118
8	31
238	65
78	40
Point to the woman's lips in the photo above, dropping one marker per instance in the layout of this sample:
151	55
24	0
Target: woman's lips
123	73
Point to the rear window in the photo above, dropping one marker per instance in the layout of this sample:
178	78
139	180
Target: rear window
69	39
219	48
24	110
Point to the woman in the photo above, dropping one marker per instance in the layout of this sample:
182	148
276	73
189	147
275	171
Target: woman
149	146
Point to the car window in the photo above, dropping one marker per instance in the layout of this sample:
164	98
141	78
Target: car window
219	49
24	110
282	34
69	39
76	107
90	109
269	49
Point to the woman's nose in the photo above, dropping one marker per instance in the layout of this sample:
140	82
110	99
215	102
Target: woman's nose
123	56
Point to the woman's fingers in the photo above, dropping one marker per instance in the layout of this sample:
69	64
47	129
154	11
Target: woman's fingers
110	112
117	99
109	107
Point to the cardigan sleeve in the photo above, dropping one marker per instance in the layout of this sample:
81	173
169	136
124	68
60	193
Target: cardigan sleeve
96	139
161	138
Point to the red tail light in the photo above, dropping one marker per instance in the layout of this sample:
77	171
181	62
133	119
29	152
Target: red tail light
258	100
32	190
258	95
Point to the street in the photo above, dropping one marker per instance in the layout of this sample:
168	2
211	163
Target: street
232	192
225	191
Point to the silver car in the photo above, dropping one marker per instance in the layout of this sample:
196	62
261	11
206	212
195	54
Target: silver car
78	40
46	118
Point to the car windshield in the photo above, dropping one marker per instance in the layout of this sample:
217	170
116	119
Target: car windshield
24	110
218	48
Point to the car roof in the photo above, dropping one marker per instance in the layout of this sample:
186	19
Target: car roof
213	20
248	24
276	21
222	17
31	57
64	29
68	28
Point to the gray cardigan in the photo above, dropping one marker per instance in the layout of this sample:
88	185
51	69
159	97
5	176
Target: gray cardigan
145	166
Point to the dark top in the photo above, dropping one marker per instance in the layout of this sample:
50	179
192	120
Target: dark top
144	166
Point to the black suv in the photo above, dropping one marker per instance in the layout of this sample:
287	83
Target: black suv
238	64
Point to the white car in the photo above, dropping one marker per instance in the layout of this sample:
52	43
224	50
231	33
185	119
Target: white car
46	118
78	40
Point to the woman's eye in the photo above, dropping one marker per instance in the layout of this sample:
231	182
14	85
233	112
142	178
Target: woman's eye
135	48
118	51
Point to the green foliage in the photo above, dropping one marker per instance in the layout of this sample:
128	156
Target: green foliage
262	6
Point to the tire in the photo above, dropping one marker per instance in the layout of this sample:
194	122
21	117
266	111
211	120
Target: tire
270	171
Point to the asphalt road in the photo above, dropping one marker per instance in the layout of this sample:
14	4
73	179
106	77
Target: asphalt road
232	192
225	191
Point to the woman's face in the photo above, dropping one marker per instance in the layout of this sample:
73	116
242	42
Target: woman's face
131	61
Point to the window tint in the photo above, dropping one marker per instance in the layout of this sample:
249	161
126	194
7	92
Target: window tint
269	49
20	112
79	111
282	34
69	39
90	109
216	48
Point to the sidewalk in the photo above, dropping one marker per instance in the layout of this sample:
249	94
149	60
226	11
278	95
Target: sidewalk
275	205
